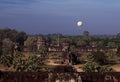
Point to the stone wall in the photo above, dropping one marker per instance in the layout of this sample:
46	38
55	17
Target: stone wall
58	77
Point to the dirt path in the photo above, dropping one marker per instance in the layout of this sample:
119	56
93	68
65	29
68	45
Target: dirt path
51	62
116	67
78	67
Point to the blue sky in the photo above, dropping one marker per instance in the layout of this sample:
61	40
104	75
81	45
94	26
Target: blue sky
61	16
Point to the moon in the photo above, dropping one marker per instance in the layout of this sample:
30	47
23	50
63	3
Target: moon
79	23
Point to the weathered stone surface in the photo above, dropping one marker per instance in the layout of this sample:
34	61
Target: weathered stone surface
58	77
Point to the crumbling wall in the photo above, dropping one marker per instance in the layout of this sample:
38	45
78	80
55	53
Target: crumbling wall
58	77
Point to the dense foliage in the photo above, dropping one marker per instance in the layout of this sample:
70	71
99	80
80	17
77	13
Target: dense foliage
94	67
32	63
98	57
8	38
13	35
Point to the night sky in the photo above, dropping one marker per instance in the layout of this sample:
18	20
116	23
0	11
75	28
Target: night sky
61	16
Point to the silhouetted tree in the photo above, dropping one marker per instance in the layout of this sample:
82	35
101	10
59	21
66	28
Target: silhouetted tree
98	57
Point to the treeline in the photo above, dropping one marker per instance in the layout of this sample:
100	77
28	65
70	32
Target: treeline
84	40
9	38
13	35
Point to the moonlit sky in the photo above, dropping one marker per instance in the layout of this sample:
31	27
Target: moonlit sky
61	16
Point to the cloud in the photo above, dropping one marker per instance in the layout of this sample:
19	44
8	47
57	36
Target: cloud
7	4
16	1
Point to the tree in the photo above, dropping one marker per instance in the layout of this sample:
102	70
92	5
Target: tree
118	36
85	33
98	57
112	57
81	42
8	33
118	51
94	67
18	62
0	44
72	48
86	38
105	69
32	64
111	44
54	38
31	44
90	67
101	43
6	60
42	49
21	37
13	35
7	47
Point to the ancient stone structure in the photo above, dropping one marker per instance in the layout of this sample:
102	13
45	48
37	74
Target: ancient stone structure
58	77
40	42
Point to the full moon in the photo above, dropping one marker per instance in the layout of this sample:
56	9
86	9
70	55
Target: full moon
79	23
